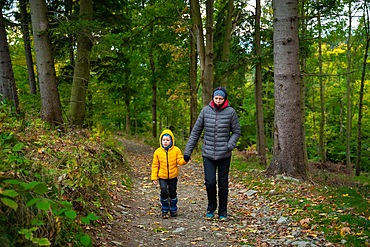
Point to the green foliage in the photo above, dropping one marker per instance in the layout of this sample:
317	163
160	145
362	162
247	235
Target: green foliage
53	182
139	45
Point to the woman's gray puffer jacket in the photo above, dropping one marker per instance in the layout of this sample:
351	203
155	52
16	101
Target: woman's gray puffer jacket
221	132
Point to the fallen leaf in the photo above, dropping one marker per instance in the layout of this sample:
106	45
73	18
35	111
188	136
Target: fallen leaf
160	229
305	222
198	239
344	231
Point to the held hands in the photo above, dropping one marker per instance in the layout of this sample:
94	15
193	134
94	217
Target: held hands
187	158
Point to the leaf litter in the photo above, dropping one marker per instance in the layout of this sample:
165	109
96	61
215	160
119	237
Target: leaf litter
257	218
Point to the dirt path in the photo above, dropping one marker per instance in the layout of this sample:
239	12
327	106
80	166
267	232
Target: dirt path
253	219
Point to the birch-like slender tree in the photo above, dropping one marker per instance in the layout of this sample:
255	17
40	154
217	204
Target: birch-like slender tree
227	40
303	82
288	152
362	86
81	72
322	151
348	93
261	145
193	73
154	87
27	46
204	47
207	88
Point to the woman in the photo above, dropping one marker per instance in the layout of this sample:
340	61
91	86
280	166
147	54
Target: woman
221	133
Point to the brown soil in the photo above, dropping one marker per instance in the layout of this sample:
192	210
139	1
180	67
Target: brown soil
137	220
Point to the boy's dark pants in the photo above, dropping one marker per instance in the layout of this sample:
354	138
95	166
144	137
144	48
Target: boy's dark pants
210	168
168	189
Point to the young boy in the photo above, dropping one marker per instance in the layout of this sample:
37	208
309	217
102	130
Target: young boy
166	160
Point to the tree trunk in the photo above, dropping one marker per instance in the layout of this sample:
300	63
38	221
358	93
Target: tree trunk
227	40
8	88
82	67
68	10
128	118
154	96
303	84
261	146
51	108
27	46
207	88
360	102
197	20
193	76
136	122
348	94
205	52
288	151
322	151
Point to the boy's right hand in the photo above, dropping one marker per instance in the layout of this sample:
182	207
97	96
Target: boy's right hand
155	182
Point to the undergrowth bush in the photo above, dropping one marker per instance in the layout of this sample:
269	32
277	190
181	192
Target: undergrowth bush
55	182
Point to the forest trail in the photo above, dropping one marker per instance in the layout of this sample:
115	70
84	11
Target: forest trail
254	219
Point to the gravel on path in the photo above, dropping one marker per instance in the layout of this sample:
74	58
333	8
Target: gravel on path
254	220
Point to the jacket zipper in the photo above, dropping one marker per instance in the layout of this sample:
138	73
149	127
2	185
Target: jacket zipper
168	166
214	145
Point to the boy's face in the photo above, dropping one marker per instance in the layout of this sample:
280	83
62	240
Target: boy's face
166	141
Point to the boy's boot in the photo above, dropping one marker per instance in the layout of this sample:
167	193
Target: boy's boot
173	207
165	208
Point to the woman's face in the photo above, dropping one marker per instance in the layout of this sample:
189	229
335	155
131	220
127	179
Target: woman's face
218	100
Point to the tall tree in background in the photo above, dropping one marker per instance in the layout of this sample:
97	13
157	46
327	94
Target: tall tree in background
207	88
27	45
227	40
366	20
7	82
261	145
303	82
322	151
154	94
82	66
51	108
205	51
348	93
288	151
193	72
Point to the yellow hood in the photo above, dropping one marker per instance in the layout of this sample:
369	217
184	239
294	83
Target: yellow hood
167	131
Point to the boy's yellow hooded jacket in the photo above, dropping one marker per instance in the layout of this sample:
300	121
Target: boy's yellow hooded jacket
165	163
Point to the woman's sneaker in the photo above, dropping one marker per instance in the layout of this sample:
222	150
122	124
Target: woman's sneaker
223	218
210	215
173	213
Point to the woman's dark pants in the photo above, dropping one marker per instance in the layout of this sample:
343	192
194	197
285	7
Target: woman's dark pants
211	167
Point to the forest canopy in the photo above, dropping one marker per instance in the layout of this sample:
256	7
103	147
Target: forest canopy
133	61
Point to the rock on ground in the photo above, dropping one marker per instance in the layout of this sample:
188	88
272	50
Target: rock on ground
253	218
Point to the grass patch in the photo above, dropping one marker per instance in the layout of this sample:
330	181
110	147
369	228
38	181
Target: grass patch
338	206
